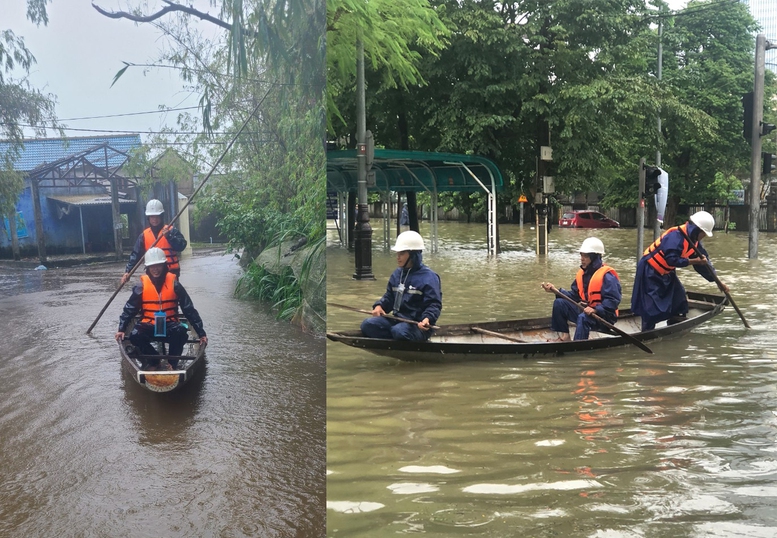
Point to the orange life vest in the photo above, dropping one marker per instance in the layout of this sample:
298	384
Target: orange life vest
656	257
593	296
154	301
172	257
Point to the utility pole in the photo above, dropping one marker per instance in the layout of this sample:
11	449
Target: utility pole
656	225
363	234
758	129
641	210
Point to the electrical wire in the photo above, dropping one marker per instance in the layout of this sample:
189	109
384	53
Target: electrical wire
163	111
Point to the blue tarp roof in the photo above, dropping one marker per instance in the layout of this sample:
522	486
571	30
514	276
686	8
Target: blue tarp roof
47	150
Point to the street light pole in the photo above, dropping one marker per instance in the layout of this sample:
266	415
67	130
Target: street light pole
363	236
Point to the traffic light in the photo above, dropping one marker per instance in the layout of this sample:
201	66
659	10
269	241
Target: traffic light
651	180
770	160
767	128
747	104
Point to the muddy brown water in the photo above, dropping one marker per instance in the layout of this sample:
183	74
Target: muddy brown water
611	444
86	451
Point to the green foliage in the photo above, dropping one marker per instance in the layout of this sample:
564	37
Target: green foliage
282	291
267	73
154	162
11	184
580	76
723	186
393	32
20	105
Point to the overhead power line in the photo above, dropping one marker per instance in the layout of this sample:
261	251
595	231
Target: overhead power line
161	111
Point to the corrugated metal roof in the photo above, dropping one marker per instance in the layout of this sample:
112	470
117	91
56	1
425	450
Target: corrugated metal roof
38	151
87	199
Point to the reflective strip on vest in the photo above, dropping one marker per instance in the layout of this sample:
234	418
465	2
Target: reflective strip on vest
172	257
656	258
593	295
154	301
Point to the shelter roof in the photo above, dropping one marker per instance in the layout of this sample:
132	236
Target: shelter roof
87	199
398	170
39	151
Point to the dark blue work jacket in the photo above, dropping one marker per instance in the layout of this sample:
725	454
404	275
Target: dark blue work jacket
422	297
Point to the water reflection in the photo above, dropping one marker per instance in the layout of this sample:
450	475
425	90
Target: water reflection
162	418
614	443
238	451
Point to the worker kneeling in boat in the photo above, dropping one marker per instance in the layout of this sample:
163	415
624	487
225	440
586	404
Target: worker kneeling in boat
157	299
413	293
597	285
658	294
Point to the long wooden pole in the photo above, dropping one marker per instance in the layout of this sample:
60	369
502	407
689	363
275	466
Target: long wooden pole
604	322
387	316
496	335
180	212
720	284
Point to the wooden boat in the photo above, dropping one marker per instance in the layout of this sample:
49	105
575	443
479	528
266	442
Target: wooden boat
161	379
470	342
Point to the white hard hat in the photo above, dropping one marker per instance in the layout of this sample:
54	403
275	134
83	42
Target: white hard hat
592	245
704	220
154	207
155	256
408	240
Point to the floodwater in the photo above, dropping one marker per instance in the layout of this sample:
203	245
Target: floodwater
617	443
86	451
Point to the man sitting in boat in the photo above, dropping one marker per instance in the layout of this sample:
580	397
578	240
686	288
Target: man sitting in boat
157	299
172	241
596	285
413	293
658	294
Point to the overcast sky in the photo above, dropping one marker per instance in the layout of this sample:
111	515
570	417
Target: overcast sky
80	51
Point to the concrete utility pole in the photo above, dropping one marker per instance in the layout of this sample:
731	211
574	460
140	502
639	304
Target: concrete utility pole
656	225
761	46
363	238
641	210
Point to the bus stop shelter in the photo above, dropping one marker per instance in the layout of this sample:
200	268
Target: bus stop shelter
417	171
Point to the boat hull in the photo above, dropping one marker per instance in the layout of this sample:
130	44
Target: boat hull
189	364
458	343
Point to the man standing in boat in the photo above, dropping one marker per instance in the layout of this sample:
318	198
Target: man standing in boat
413	293
172	241
157	299
658	294
596	285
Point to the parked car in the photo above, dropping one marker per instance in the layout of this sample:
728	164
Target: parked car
586	219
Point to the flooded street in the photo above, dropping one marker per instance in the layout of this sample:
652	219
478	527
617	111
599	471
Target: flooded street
617	443
86	451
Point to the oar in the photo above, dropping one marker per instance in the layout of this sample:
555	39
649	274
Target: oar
387	316
180	212
721	287
604	322
497	335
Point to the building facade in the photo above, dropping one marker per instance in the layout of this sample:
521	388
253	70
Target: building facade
765	12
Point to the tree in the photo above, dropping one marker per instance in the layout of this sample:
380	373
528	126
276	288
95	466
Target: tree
708	68
20	106
583	73
393	32
268	71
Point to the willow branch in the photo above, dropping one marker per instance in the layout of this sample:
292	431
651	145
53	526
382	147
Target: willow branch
167	9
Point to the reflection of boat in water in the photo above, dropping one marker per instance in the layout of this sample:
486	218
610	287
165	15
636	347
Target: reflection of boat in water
165	418
472	341
160	379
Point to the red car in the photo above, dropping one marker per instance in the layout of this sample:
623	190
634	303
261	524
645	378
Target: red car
586	219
